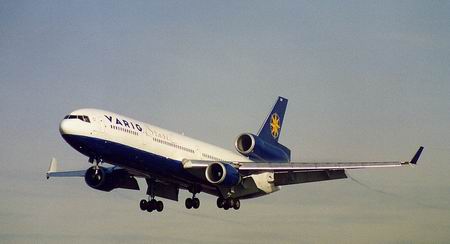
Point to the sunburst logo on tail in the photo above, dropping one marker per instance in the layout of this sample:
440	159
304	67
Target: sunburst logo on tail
275	125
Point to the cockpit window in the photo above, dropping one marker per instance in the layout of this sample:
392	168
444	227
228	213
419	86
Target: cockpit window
80	117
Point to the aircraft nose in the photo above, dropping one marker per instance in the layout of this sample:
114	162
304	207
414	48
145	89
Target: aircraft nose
64	127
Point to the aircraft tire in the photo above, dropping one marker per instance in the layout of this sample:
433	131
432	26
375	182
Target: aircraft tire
151	205
230	202
143	204
237	204
149	208
159	206
220	202
227	204
195	203
188	203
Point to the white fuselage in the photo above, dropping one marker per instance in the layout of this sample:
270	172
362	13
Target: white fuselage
120	129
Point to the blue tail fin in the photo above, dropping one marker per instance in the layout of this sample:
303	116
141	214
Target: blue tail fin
271	129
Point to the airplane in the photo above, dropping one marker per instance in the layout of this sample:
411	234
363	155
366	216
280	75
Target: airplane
169	161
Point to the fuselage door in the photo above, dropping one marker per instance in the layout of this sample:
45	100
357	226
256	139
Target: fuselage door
99	125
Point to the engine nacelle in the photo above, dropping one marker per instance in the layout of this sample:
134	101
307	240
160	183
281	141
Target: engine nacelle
222	174
254	147
107	179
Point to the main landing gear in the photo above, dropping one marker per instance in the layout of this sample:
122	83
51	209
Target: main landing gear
151	205
228	203
193	202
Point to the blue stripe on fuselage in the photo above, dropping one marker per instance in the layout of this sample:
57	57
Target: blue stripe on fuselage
126	156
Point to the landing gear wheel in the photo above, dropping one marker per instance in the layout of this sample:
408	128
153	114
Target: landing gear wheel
151	205
231	204
237	204
188	203
195	203
143	204
227	204
220	202
159	206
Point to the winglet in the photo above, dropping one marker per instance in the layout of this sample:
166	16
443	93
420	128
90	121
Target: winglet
53	167
416	156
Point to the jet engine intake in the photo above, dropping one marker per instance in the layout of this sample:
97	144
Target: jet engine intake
256	148
222	174
107	179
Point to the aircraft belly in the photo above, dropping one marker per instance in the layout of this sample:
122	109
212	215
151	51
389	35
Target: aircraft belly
129	157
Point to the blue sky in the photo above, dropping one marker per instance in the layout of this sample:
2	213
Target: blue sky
365	81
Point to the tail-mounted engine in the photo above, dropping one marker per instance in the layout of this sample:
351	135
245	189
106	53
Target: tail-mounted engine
107	179
222	174
256	148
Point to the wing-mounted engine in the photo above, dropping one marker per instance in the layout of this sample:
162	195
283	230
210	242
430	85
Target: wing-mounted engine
107	179
258	149
222	174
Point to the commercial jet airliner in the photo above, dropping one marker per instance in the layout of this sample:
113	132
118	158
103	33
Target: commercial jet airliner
169	161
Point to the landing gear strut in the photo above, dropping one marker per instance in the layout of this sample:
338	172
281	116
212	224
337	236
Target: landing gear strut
96	161
96	165
193	202
228	203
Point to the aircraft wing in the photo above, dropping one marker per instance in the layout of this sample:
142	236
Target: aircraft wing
163	187
302	172
302	166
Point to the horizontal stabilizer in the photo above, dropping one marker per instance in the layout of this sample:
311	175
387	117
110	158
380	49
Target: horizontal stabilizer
53	171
